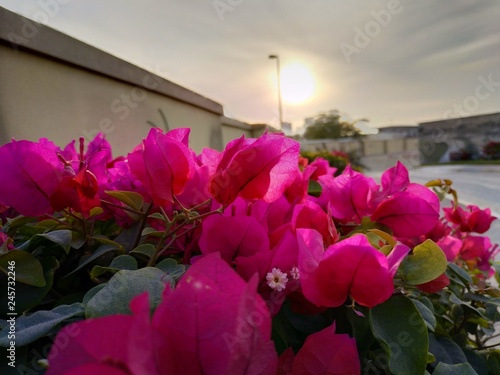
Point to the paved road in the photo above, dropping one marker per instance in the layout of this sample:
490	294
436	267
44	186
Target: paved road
475	184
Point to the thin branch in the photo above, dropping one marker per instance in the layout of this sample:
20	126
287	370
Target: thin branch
142	225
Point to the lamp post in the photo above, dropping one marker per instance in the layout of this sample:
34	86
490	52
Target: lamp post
279	87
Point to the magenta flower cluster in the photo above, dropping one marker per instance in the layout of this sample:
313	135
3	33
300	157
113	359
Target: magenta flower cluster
261	239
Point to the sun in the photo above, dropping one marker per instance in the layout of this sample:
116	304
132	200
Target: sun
297	83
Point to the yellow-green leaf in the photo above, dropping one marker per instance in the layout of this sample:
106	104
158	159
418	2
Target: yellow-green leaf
426	262
132	199
384	235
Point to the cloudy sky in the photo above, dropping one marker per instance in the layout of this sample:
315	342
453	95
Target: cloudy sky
392	62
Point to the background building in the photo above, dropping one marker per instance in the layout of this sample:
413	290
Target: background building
57	87
440	140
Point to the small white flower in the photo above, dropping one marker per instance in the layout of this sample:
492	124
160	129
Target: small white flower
294	272
276	279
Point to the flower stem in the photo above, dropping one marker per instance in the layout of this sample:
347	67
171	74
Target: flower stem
142	225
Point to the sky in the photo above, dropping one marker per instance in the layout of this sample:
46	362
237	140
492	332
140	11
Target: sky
390	62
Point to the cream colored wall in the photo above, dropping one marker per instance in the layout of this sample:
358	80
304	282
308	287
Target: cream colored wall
374	147
376	155
395	145
229	133
40	97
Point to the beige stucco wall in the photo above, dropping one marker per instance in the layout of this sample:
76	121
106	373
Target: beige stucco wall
42	97
229	133
376	154
395	145
374	148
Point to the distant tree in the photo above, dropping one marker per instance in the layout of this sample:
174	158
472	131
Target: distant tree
329	125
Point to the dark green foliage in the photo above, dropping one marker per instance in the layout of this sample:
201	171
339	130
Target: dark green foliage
329	125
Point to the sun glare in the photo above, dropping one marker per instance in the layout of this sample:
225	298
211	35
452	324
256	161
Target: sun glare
297	83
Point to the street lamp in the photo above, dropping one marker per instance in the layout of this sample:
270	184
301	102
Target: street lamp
279	87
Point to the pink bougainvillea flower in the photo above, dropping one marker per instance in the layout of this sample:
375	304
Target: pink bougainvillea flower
322	167
79	193
351	267
41	179
326	352
471	220
163	163
409	213
29	176
473	247
212	323
297	192
451	247
232	236
487	257
409	210
394	179
102	344
210	158
479	252
310	215
95	159
348	195
196	189
259	168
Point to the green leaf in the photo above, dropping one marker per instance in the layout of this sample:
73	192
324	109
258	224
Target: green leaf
385	236
460	272
402	333
132	199
427	302
427	314
106	241
28	296
314	188
171	268
157	216
27	269
18	222
494	292
115	297
95	211
494	362
386	249
306	324
121	262
425	263
457	369
477	361
144	251
361	330
62	237
101	250
30	328
149	231
445	350
91	293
